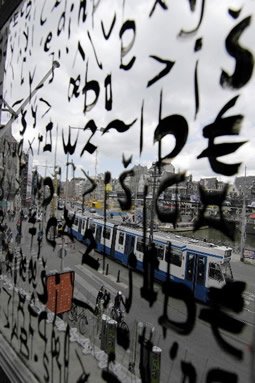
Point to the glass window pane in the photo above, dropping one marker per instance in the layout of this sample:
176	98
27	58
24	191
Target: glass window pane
201	263
139	245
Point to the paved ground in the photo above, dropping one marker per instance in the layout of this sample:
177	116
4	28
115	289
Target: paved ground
42	340
87	284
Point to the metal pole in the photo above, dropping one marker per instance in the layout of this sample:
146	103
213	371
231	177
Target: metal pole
55	179
67	164
45	207
243	228
152	203
253	354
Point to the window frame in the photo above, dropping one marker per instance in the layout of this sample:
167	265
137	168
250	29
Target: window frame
107	233
139	242
216	269
176	257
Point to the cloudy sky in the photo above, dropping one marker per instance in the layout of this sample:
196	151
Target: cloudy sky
57	30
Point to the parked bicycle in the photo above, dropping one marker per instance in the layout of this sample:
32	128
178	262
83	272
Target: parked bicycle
99	309
118	315
78	314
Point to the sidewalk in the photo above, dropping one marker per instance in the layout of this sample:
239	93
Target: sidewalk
47	348
46	345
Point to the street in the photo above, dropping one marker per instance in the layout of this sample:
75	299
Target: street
192	348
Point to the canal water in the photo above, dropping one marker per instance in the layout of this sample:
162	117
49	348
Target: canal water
218	238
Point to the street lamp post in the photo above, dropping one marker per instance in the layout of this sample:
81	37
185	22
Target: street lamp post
243	227
154	176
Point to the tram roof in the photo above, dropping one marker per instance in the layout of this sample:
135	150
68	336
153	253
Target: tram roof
175	239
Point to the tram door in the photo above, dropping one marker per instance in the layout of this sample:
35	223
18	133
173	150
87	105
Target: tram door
98	236
79	226
196	275
129	246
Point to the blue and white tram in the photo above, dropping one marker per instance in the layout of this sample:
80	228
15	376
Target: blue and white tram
199	265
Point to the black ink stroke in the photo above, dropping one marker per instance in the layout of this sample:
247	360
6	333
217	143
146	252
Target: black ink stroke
118	125
163	215
234	13
168	66
159	2
196	90
73	87
47	103
214	198
244	58
100	65
93	86
125	161
48	146
69	148
178	127
108	95
141	131
23	122
89	147
128	25
220	127
106	36
192	31
82	10
125	204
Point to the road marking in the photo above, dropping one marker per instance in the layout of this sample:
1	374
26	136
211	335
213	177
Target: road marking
81	281
98	280
249	298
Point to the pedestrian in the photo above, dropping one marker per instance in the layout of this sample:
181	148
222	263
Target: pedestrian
40	236
18	226
106	298
100	295
9	258
118	300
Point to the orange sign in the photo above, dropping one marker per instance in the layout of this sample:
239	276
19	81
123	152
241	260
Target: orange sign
60	288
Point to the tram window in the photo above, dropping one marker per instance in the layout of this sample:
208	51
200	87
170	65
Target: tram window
107	233
215	272
92	227
76	222
160	252
175	257
121	238
83	224
139	244
201	269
